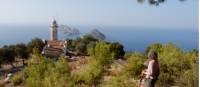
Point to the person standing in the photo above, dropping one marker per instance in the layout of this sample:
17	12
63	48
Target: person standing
152	72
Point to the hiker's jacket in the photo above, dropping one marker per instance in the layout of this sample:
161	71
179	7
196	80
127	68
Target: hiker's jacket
153	69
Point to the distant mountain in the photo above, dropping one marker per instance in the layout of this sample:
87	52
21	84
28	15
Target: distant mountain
97	34
69	31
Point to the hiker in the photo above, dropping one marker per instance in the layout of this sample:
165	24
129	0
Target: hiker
152	72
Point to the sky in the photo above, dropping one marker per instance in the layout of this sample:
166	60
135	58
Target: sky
118	13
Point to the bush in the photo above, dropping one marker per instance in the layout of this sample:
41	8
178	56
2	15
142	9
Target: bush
177	68
7	53
17	79
119	81
189	78
117	49
101	52
172	63
47	73
156	47
134	65
100	59
80	44
91	74
35	43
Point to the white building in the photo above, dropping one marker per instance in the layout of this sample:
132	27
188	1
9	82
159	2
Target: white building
54	47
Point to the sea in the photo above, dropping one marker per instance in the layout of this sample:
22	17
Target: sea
132	38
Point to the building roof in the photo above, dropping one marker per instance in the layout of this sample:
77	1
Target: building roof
54	48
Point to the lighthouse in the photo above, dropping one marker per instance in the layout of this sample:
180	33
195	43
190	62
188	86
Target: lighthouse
54	48
54	31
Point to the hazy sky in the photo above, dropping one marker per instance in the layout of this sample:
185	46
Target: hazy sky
128	13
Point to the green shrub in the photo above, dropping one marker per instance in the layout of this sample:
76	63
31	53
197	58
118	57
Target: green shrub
92	73
189	78
117	49
156	47
17	79
101	52
80	45
35	43
134	65
47	73
172	63
177	68
100	59
118	81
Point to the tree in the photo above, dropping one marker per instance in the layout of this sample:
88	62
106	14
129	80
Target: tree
81	48
195	51
173	63
88	38
47	73
100	59
21	51
134	65
154	2
35	43
80	45
117	49
156	47
8	54
190	77
1	56
102	53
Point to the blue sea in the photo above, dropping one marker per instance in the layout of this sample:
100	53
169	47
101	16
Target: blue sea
133	39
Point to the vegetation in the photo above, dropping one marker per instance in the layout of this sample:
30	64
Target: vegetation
17	79
134	65
43	72
35	43
177	67
119	81
21	50
155	2
80	44
117	49
7	54
84	44
100	60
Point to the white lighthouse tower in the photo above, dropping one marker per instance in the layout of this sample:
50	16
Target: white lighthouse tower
54	30
54	48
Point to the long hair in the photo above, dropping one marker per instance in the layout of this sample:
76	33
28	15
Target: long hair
152	55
